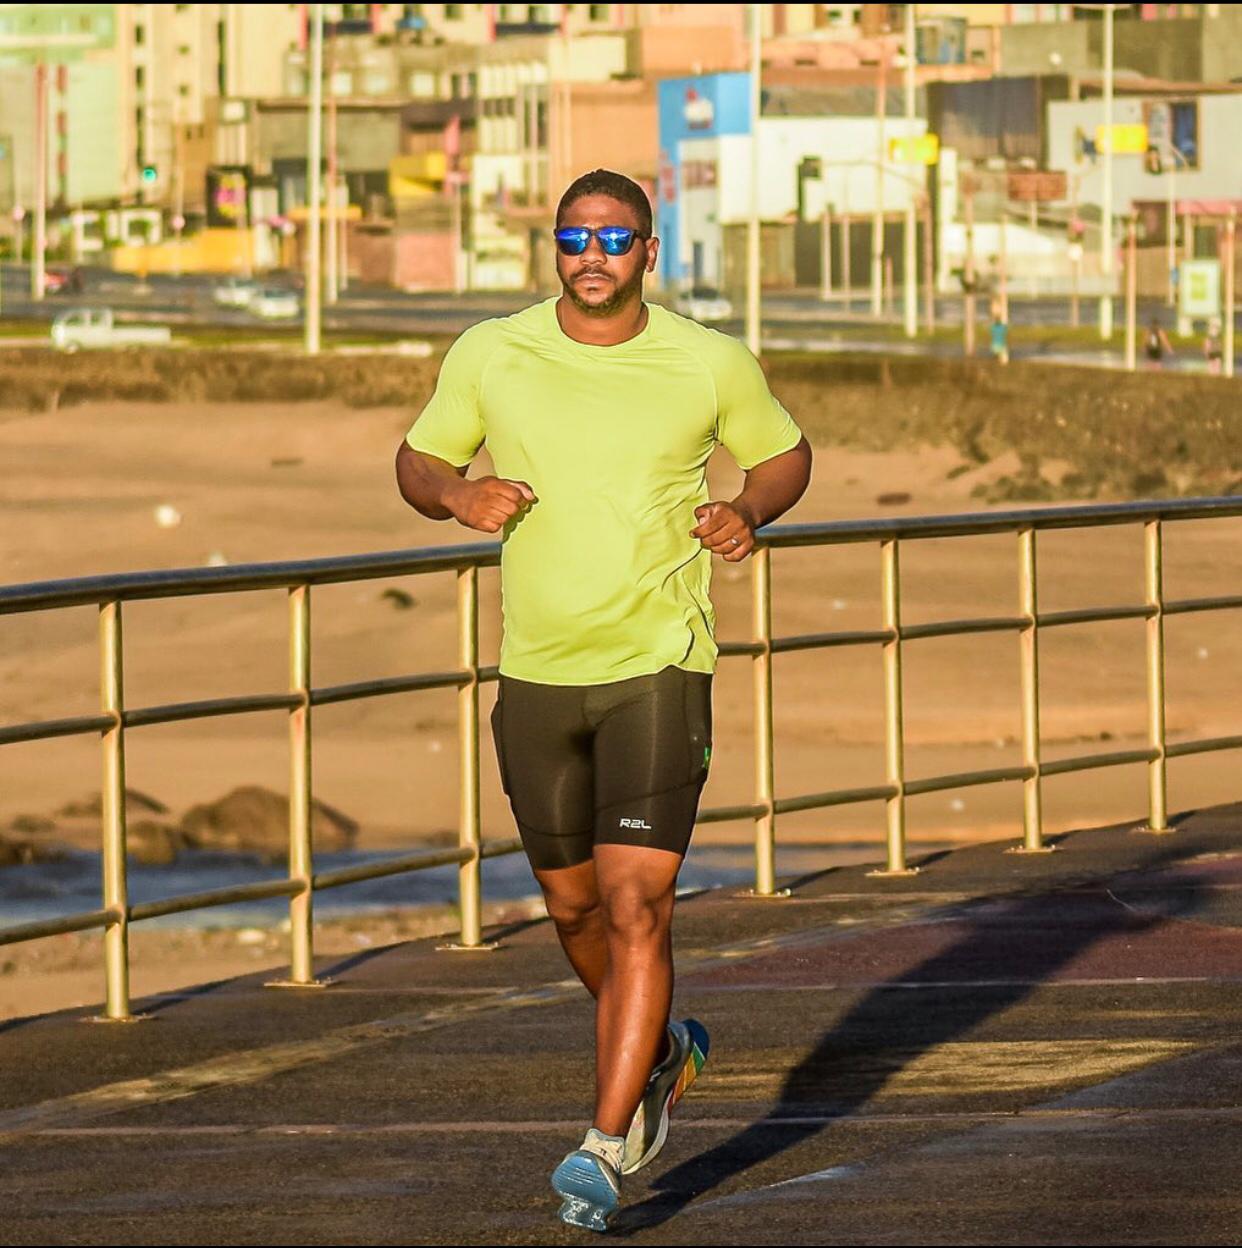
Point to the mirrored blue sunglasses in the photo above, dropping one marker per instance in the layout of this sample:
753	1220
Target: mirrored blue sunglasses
616	240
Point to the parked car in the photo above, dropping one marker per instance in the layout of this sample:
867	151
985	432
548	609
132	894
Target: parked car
274	304
96	327
703	303
235	292
61	281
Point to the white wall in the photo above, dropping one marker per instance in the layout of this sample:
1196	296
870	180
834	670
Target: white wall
1219	175
848	147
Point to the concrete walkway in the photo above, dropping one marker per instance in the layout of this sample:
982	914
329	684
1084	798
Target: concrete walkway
1001	1049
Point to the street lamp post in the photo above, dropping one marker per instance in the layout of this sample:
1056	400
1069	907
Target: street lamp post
909	262
1106	210
877	219
314	184
752	224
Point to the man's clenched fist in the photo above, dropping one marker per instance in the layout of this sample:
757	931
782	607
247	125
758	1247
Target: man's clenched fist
726	529
489	503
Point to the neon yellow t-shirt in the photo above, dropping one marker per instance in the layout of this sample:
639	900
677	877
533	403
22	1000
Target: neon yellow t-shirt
600	578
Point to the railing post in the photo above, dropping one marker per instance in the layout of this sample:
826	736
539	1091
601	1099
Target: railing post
761	668
112	810
894	732
1028	650
469	833
1157	792
301	856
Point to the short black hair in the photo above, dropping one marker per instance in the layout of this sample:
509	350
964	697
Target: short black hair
616	186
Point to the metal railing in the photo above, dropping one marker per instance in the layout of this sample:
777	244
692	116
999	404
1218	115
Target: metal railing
298	578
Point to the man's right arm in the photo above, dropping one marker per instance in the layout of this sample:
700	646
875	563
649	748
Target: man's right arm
438	490
425	481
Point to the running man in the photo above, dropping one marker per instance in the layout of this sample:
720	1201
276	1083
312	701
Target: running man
600	412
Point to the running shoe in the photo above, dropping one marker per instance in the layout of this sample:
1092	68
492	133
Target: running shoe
669	1082
590	1189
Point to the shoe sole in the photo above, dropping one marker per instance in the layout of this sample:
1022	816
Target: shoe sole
700	1046
588	1198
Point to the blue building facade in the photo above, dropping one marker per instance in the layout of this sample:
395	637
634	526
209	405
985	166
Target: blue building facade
704	107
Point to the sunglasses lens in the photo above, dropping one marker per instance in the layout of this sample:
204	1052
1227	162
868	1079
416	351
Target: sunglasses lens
573	242
616	240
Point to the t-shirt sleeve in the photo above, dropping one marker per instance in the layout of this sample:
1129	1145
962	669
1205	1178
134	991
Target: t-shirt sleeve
450	427
751	423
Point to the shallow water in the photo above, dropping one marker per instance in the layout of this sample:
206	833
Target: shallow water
52	889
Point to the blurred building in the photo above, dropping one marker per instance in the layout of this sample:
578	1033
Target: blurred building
833	161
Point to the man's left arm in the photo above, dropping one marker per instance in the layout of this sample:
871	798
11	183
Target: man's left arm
770	489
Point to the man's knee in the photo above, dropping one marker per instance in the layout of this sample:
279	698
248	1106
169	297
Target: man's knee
573	914
636	916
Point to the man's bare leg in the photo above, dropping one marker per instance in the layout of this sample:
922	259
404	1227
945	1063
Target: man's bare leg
636	893
635	920
572	897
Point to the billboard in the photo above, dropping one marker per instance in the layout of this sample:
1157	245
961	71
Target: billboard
1199	289
227	186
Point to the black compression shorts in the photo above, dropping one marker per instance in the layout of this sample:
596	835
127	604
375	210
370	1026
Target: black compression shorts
621	763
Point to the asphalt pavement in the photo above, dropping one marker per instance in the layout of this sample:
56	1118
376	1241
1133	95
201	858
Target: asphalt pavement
1003	1048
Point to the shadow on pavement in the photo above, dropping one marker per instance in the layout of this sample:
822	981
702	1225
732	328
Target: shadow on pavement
998	947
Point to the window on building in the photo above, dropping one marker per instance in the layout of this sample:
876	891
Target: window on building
183	90
1186	130
140	77
452	12
183	49
140	33
599	12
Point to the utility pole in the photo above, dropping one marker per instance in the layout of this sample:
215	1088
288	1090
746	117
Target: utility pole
909	260
929	268
332	285
825	255
39	242
1231	245
968	268
314	183
846	276
877	219
1131	295
1170	227
753	313
1106	210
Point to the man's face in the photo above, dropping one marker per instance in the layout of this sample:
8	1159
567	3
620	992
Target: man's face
597	283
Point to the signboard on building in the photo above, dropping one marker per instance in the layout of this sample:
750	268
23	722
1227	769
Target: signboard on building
1126	140
922	149
699	111
1199	289
226	195
1038	185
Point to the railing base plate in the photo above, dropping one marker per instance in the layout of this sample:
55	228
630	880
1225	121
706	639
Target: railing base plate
488	946
751	894
1039	849
293	983
884	873
1145	829
129	1018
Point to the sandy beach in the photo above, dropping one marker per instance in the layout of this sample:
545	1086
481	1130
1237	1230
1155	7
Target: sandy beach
259	482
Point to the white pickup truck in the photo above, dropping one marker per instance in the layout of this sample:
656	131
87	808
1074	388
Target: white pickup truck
96	327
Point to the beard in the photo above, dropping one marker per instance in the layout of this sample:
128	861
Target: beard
621	295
